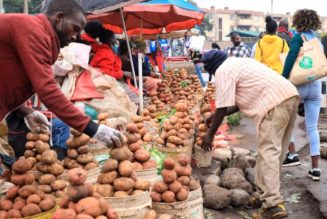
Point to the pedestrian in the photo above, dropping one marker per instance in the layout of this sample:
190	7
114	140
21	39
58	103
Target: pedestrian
283	32
306	22
239	49
196	58
261	35
270	47
250	87
33	44
215	46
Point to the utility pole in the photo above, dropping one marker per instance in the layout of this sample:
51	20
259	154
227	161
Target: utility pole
272	7
1	7
25	6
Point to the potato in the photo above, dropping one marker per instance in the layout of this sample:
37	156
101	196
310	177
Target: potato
46	179
91	166
3	214
194	185
103	190
89	206
83	216
26	191
30	210
64	213
142	131
120	154
120	194
103	116
30	145
173	120
32	137
110	165
58	184
168	176
160	141
12	193
170	145
174	140
169	164
131	127
56	169
76	193
60	194
172	132
184	180
47	204
41	146
142	155
44	137
134	147
38	157
32	161
21	166
187	171
76	176
83	149
14	213
85	158
179	114
131	138
147	137
123	184
150	164
183	159
177	126
142	185
136	119
74	143
29	153
182	195
44	188
125	168
156	197
107	178
18	205
75	132
33	199
168	197
72	153
5	204
140	125
71	164
175	186
160	187
137	166
22	179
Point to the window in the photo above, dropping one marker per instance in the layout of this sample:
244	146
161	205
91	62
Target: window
220	29
232	17
257	29
244	16
243	28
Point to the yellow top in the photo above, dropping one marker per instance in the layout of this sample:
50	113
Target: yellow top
268	50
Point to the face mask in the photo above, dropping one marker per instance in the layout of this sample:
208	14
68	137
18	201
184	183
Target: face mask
115	48
237	43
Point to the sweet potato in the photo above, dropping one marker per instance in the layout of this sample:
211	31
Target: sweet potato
47	204
107	178
91	166
175	186
83	149
44	188
12	193
168	176
142	155
168	197
46	179
125	168
123	184
110	165
30	210
26	191
120	194
160	187
44	137
5	204
33	199
89	206
64	213
85	158
169	164
184	180
120	154
182	194
131	127
71	164
29	153
147	137
21	166
76	193
142	185
14	213
150	164
58	184
56	169
103	190
41	146
76	176
137	166
32	137
30	145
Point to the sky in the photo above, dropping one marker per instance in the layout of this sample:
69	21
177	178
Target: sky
280	6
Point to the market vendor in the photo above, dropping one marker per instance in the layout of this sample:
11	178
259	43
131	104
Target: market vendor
272	101
29	46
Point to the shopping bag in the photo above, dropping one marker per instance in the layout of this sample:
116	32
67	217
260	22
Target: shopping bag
311	63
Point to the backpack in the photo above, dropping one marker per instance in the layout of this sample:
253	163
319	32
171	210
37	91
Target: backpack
285	36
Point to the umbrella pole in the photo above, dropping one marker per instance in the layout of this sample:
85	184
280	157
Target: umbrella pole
140	59
128	46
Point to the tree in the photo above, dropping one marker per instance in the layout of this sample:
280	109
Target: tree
16	6
206	25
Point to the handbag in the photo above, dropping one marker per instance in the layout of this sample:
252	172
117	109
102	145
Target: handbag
310	64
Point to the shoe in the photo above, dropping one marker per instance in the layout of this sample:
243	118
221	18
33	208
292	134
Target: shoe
291	161
314	174
271	213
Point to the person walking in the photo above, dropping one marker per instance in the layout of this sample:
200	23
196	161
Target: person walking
196	58
283	32
250	87
270	47
239	49
261	35
306	22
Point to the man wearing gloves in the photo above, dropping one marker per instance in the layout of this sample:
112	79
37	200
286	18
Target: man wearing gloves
271	100
29	46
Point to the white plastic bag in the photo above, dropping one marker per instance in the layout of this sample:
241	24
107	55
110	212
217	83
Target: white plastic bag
197	43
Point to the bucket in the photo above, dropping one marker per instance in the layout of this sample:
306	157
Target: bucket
174	153
132	207
177	210
92	175
148	175
202	158
195	205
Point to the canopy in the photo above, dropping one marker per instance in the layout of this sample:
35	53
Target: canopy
244	33
153	16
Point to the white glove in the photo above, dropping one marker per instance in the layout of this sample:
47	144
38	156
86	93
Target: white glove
109	136
37	122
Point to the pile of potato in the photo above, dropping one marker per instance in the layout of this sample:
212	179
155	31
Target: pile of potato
160	106
195	84
102	118
78	154
202	128
164	92
177	129
176	182
136	131
36	144
210	93
146	115
82	202
117	178
24	199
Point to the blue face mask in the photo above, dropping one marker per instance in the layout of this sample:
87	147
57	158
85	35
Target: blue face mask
115	48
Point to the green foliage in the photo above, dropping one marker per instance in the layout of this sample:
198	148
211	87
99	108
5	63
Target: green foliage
234	119
16	6
206	26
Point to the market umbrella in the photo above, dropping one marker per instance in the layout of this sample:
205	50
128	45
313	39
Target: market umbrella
152	17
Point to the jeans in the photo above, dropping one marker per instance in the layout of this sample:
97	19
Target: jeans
310	94
198	70
60	133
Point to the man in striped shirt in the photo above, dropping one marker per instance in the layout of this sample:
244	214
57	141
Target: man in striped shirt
250	87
